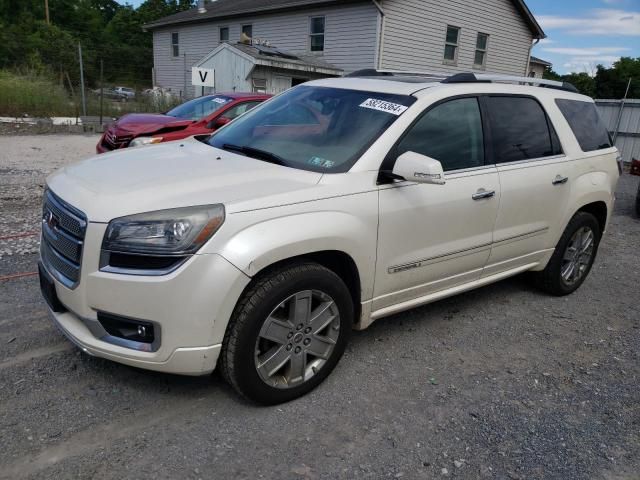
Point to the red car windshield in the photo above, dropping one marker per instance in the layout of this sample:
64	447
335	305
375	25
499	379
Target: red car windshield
200	107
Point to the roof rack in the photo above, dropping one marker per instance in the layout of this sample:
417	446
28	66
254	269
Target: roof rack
490	78
468	77
372	72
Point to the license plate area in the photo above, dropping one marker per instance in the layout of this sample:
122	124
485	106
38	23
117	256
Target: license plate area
48	289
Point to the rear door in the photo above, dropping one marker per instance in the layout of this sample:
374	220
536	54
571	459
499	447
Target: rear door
534	181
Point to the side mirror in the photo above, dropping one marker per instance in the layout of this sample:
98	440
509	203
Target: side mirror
415	167
218	122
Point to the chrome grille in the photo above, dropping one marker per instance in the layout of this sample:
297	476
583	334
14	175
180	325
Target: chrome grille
63	231
113	141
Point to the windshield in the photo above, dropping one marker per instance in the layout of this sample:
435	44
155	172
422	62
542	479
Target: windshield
313	128
199	107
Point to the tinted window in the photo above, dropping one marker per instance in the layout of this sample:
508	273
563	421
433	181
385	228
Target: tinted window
586	124
520	129
199	107
451	133
239	109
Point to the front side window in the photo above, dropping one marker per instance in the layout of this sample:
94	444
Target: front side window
450	133
313	128
248	30
199	107
480	58
520	129
316	34
586	124
451	45
175	44
239	109
224	34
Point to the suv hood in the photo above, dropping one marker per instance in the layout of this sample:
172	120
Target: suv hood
176	174
141	123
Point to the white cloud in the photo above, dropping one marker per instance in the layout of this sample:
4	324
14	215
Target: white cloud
591	51
601	21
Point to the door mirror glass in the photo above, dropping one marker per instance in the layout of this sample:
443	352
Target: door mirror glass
415	167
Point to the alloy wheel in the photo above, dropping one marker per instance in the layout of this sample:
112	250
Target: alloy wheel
578	255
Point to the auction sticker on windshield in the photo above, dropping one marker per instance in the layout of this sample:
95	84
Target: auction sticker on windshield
381	105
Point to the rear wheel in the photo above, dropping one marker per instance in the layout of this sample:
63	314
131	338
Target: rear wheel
573	256
287	333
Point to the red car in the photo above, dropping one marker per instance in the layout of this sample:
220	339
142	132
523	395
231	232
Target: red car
198	116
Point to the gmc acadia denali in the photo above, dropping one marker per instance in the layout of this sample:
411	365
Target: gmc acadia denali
257	249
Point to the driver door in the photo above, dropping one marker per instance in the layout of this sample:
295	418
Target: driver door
434	237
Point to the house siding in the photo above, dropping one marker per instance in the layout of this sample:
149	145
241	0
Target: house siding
350	40
414	35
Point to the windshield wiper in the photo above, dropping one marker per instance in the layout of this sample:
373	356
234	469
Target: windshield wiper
256	153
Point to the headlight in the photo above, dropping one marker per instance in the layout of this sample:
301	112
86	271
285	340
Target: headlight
138	142
179	231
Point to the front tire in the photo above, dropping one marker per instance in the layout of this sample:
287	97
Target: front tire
287	333
573	257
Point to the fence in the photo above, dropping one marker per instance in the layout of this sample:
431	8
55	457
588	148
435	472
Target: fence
628	137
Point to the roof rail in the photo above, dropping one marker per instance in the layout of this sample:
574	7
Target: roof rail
372	72
467	77
489	78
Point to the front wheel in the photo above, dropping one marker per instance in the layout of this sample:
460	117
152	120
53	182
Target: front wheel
573	256
287	333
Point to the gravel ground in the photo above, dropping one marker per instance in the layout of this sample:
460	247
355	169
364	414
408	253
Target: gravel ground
503	382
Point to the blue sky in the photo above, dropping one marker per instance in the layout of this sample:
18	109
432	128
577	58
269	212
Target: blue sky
581	33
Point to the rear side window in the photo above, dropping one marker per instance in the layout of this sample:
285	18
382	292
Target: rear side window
586	124
520	129
451	133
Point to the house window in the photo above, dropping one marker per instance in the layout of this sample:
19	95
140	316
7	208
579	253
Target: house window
451	45
480	58
248	30
175	44
316	34
224	34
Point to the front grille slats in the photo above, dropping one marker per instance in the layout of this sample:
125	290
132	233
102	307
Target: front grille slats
113	141
63	231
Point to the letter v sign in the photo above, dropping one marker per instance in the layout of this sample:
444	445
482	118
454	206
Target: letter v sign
203	77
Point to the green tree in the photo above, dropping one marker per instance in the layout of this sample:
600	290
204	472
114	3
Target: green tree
612	82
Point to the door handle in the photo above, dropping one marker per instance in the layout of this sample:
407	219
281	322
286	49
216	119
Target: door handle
559	180
482	193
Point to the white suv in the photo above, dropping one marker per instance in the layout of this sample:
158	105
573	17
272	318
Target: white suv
336	203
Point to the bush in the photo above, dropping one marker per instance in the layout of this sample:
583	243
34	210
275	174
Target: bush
33	93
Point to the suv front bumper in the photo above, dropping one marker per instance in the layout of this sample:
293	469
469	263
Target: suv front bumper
189	308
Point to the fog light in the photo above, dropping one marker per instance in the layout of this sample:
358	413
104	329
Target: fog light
127	328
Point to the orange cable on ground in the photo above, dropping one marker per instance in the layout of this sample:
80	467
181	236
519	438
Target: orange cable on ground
17	275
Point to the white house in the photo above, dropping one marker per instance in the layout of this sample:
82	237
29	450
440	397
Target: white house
343	36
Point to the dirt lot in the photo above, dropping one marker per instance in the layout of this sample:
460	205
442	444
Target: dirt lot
503	382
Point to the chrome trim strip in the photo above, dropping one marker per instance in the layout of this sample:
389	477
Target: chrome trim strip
438	258
462	253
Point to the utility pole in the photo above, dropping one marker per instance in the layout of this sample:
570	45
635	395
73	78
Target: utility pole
622	102
46	11
101	89
84	101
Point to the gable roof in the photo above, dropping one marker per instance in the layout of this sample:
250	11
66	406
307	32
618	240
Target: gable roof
276	58
235	8
539	61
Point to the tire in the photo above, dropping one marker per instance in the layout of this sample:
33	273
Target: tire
274	350
638	201
551	279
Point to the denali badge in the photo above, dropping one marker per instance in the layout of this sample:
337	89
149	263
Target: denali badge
50	219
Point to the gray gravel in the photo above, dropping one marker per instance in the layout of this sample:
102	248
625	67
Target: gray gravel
503	382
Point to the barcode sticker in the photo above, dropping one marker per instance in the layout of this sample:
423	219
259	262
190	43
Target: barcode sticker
381	105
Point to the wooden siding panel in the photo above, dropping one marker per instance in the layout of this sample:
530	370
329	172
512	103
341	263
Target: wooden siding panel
415	33
350	40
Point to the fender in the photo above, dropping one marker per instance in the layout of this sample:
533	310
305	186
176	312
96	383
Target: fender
270	241
589	188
